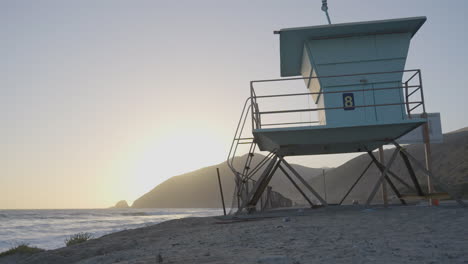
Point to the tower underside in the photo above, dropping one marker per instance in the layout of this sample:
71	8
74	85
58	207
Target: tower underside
313	140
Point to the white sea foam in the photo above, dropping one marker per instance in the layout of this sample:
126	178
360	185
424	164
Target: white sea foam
49	228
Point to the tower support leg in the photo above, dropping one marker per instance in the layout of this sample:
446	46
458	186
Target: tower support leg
356	182
387	179
297	186
411	173
267	199
391	173
382	177
395	190
383	185
430	175
322	201
261	184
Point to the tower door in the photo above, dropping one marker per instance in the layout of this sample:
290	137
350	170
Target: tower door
350	105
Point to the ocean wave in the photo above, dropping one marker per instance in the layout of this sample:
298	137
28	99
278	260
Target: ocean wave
48	228
162	213
135	214
167	213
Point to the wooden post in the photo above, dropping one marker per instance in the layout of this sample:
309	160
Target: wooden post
428	157
384	184
221	191
324	184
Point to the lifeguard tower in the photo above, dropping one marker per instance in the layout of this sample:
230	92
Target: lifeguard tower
355	75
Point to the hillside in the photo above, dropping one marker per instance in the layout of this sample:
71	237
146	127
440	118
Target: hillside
200	188
450	163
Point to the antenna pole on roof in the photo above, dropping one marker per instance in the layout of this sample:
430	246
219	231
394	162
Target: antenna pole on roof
325	9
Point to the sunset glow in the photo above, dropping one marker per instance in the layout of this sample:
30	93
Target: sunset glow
102	101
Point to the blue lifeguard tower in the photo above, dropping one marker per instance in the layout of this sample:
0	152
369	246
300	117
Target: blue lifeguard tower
355	74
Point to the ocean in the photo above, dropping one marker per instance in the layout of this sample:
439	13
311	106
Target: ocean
48	229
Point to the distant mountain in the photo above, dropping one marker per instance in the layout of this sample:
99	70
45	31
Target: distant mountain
121	204
200	188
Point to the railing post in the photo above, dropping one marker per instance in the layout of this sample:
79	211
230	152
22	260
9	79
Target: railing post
252	104
384	184
407	100
422	92
427	142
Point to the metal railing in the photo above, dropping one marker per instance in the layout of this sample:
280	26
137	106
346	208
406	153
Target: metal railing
238	139
410	87
246	173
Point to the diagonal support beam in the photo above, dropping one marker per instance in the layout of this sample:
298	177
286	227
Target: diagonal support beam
304	182
400	180
430	175
265	204
411	173
382	177
395	190
262	183
297	186
257	184
381	167
356	182
259	165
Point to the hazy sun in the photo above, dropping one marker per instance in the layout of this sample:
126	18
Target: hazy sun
172	154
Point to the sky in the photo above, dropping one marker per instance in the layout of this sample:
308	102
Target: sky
102	100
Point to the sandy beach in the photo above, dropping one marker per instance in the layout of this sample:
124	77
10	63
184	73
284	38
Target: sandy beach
348	234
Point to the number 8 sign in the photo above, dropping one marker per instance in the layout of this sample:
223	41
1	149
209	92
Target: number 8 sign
348	101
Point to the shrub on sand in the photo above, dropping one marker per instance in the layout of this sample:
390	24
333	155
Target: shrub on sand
21	248
77	239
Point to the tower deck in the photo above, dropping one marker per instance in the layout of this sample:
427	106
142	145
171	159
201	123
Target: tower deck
311	140
360	129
